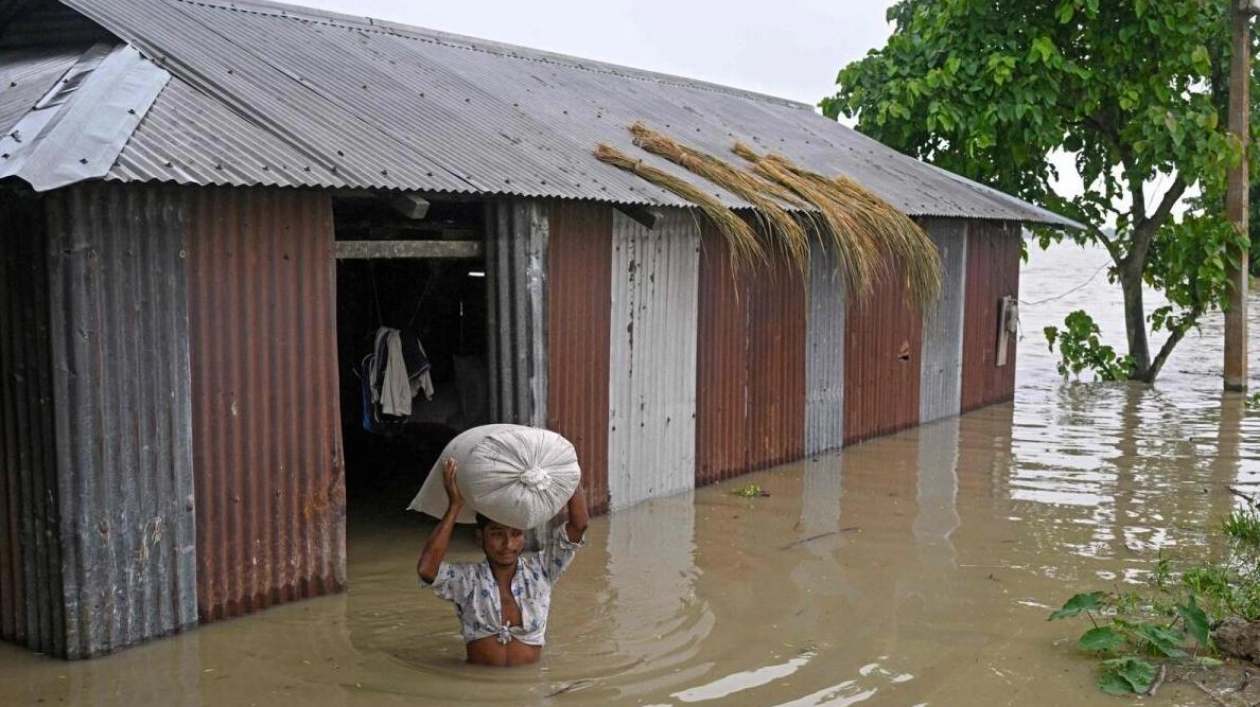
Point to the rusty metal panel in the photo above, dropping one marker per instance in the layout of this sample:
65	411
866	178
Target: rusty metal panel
992	273
940	389
122	414
776	362
824	352
722	366
269	469
883	342
30	519
516	255
750	406
652	375
579	284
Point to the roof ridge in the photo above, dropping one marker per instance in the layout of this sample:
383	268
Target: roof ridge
488	46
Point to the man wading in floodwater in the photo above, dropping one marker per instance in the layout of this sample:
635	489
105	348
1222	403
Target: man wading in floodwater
502	603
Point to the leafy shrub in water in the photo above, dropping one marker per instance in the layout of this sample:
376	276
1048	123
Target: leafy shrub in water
1132	632
1080	348
1128	634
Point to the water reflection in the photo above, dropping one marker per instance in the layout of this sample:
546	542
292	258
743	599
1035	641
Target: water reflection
937	494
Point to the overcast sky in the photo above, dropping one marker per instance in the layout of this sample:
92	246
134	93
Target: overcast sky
787	48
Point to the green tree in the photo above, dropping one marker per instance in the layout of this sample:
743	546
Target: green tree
1135	90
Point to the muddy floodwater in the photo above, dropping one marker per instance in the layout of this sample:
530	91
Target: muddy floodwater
916	569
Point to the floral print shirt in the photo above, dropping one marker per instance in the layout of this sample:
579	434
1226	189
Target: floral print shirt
471	587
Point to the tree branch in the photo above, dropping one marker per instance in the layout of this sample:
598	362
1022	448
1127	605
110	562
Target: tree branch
1173	339
1169	201
1144	229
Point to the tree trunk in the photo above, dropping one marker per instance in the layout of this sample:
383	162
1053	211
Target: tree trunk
1135	323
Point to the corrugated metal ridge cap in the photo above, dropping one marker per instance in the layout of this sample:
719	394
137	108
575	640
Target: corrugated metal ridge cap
507	51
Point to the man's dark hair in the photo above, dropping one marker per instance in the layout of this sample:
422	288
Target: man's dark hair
482	522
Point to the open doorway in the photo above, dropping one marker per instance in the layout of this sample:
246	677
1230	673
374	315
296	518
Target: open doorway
417	268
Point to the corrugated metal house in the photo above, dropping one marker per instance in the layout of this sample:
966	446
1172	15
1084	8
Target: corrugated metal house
208	207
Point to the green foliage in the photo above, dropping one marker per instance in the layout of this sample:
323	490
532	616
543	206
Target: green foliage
1243	526
1131	632
1133	90
1124	675
1080	348
1127	633
749	491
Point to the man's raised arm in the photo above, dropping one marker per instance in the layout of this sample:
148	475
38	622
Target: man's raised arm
435	549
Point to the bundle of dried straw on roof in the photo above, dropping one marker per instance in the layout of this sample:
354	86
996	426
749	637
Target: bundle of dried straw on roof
746	250
871	237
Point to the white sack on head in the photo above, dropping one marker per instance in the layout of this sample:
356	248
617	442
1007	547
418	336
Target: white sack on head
515	475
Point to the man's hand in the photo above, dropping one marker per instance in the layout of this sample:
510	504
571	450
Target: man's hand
448	482
435	549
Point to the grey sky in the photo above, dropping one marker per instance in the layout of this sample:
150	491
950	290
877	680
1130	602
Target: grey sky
788	48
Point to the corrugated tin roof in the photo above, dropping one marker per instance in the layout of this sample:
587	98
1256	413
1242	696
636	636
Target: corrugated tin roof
263	93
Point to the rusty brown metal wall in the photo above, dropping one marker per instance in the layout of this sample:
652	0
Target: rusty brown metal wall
267	434
722	424
882	349
992	273
30	554
750	410
776	363
579	289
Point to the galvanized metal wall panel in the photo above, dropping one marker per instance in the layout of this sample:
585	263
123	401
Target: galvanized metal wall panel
940	389
824	352
722	424
267	445
652	379
776	362
31	588
883	341
992	273
516	269
579	293
122	410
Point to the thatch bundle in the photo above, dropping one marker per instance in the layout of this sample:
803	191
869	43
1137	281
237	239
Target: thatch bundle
870	236
746	250
783	228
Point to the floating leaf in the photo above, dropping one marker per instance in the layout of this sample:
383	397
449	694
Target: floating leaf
1113	684
1102	639
1138	673
1081	602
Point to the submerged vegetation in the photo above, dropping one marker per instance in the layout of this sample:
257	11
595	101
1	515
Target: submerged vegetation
1138	637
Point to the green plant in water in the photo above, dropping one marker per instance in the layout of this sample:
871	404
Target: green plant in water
749	491
1080	348
1243	527
1127	634
1132	632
